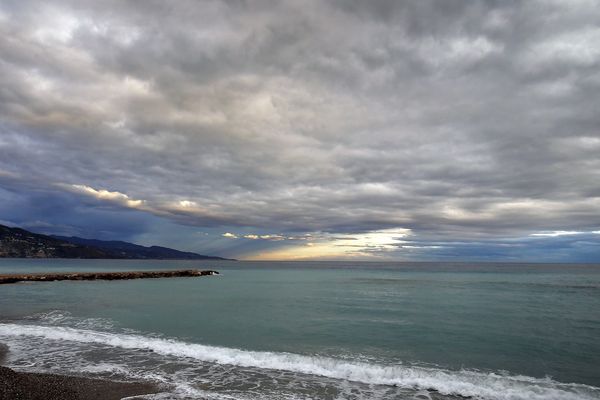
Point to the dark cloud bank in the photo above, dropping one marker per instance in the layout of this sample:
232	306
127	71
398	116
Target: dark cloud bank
459	129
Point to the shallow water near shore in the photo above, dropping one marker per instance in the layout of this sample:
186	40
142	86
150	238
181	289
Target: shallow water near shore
316	330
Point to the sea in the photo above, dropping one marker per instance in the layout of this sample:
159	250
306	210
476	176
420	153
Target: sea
315	330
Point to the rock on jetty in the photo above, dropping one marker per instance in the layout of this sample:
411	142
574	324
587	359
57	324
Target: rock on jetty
109	276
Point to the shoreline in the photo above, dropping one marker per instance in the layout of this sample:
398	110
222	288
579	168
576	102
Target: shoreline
44	386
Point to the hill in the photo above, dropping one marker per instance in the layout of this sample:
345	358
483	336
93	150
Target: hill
120	249
19	243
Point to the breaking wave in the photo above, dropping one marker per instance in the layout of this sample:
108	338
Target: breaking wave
464	382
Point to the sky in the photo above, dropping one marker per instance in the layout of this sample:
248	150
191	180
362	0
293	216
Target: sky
314	129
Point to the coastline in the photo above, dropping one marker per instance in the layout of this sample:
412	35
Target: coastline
41	386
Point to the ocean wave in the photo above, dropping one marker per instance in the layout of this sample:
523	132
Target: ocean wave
65	318
464	382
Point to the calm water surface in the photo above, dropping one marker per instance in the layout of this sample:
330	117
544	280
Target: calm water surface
316	330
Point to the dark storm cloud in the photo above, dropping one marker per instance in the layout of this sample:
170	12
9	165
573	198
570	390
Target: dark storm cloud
465	120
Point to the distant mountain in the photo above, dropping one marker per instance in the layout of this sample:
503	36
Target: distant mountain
121	249
19	243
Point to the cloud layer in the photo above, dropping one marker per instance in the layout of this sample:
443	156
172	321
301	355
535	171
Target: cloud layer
464	123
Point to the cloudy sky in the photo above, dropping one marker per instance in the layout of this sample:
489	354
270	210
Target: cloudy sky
381	129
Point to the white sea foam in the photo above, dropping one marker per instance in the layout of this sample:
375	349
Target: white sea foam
465	383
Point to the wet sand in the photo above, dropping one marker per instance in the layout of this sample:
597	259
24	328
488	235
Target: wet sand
36	386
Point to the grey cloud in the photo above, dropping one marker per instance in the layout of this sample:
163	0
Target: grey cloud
475	119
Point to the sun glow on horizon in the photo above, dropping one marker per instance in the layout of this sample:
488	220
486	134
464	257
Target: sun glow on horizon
340	246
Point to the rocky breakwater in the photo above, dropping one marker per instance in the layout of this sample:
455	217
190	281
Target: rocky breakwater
108	276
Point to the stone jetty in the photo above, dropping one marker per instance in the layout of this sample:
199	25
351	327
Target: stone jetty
107	276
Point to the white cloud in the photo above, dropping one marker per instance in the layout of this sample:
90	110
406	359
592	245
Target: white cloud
55	24
579	47
557	233
105	195
272	237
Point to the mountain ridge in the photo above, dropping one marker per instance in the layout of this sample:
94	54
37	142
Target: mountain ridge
20	243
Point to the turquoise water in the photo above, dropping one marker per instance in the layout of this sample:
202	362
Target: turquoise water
316	330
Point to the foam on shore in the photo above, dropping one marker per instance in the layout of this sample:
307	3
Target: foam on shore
477	384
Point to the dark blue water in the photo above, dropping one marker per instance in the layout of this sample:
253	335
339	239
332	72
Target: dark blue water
317	330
